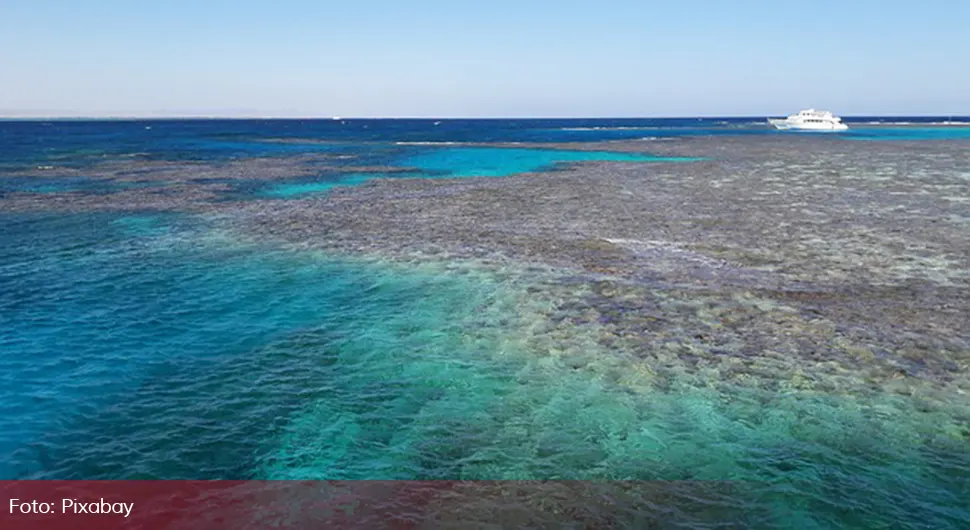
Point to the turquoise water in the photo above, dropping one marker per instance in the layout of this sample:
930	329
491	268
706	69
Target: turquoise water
152	346
500	162
79	143
462	162
908	133
145	345
286	190
117	329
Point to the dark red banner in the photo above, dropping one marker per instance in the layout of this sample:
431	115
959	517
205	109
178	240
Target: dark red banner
151	505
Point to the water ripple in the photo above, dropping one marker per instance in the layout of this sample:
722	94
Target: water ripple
172	353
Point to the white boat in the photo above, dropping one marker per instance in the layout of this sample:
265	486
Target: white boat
810	120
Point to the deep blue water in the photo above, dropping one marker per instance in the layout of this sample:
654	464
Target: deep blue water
67	142
141	345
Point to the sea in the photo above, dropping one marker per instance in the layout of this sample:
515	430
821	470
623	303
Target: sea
155	345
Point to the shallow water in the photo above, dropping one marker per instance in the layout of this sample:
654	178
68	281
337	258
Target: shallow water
286	190
500	162
149	345
460	162
909	133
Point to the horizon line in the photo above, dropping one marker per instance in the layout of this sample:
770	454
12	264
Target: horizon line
122	117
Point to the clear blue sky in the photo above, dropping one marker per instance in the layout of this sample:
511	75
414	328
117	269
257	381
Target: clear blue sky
484	58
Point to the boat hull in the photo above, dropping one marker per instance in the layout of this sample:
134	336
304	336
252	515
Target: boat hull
779	124
786	125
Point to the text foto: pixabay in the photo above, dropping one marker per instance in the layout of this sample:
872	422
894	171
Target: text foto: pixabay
71	506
